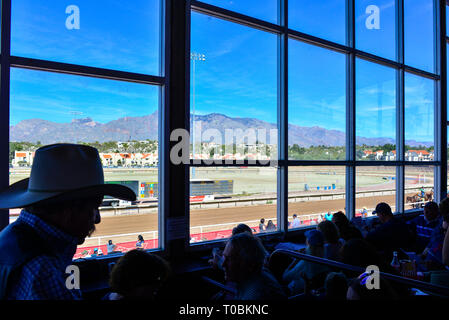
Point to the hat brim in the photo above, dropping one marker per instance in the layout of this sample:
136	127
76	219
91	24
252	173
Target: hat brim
17	195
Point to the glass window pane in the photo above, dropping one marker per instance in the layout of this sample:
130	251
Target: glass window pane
323	19
419	118
375	27
419	34
374	185
120	119
261	9
316	103
313	192
233	91
375	111
104	34
419	182
221	198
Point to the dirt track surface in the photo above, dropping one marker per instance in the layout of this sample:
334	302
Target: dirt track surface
148	222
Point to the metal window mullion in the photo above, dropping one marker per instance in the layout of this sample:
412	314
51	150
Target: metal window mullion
400	31
5	74
350	137
235	17
440	171
400	109
163	132
443	105
400	140
282	178
350	111
80	70
174	202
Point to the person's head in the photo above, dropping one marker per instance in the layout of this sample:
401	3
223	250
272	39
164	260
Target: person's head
329	231
270	223
65	188
444	211
110	242
139	275
294	216
431	211
383	212
340	220
140	238
314	242
262	220
244	255
76	217
241	228
336	286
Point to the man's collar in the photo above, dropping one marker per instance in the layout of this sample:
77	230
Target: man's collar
47	231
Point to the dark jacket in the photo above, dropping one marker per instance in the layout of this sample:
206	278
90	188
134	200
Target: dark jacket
391	236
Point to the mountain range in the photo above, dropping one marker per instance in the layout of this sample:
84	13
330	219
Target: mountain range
146	127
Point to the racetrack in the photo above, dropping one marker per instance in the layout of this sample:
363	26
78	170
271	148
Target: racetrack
117	225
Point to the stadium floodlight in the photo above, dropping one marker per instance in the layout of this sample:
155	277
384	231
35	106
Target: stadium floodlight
194	56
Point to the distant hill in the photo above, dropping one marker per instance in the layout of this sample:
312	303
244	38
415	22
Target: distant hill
146	127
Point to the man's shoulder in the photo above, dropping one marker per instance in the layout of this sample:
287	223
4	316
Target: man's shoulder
18	243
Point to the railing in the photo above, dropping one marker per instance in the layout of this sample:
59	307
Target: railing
99	238
406	281
252	201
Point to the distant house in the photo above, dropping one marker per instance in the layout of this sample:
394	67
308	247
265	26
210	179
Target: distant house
418	155
379	154
368	154
107	159
390	156
23	158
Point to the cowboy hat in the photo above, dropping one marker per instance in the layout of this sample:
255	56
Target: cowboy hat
62	172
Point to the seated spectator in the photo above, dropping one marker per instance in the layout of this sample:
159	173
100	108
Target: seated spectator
140	242
241	227
60	207
335	286
111	247
346	230
138	275
364	212
429	219
244	258
270	226
296	274
328	216
392	234
433	251
444	210
262	225
217	255
94	253
332	245
296	223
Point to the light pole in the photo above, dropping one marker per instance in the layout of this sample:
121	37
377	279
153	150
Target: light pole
194	56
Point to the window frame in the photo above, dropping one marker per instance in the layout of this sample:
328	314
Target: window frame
174	108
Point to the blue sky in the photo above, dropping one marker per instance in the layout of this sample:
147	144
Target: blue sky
238	77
